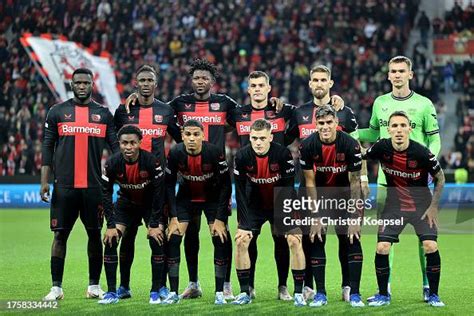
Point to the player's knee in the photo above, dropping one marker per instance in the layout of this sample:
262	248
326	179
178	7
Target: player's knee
242	244
430	246
294	242
93	234
383	248
61	236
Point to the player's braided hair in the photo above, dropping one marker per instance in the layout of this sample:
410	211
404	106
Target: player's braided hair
130	129
324	111
193	123
260	125
203	64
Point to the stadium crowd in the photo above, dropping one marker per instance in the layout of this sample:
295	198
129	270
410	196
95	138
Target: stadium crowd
283	38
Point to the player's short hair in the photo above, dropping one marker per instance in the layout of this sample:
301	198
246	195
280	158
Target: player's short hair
398	113
260	125
325	110
203	64
259	74
82	71
193	123
320	68
130	129
146	68
401	59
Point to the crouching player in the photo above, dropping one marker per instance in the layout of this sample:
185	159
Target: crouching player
406	165
205	185
141	196
259	168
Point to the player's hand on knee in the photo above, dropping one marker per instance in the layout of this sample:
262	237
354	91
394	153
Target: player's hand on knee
157	234
173	227
44	192
337	102
110	235
353	231
431	215
364	185
243	234
316	230
219	229
131	100
277	103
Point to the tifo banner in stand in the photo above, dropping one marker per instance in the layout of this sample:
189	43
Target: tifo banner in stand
57	58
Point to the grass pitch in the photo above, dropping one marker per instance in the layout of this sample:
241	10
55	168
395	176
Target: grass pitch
25	241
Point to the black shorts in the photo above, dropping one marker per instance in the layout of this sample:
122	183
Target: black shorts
189	210
69	204
259	218
130	214
390	233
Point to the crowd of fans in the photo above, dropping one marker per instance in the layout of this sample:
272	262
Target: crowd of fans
283	37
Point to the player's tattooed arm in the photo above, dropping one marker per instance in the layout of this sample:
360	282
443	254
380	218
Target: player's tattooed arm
431	213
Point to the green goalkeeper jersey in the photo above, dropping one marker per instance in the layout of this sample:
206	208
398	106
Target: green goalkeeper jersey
423	120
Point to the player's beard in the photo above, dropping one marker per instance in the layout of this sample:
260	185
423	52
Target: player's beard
319	93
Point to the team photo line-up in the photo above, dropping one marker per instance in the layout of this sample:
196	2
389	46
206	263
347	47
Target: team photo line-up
403	128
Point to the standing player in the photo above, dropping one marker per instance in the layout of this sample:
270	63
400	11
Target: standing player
140	176
259	168
331	161
260	108
303	125
206	185
406	165
155	119
76	132
423	121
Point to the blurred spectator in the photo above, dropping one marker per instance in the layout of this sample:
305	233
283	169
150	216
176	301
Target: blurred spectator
424	27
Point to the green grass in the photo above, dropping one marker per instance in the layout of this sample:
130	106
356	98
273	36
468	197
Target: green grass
25	242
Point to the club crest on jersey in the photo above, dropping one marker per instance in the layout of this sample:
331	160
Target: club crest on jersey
249	168
206	167
305	118
68	116
143	174
54	222
316	157
188	105
158	118
412	164
131	117
180	166
95	117
215	106
119	175
386	157
274	167
340	156
270	114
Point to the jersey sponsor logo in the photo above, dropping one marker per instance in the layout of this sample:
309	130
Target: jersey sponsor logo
264	180
203	119
331	169
243	128
201	178
154	132
401	174
305	132
384	123
95	117
68	116
129	186
158	118
68	130
215	106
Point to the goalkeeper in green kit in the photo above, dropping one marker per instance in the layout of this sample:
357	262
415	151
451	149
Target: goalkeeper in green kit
424	124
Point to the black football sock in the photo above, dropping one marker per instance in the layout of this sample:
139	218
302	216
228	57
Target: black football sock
110	265
127	254
253	254
343	258
382	270
243	276
165	264
157	264
228	273
191	250
318	263
282	258
355	265
433	271
308	275
94	252
58	254
220	261
298	278
173	261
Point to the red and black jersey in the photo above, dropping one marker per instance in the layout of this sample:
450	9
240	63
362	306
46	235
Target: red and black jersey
76	135
257	176
212	113
244	116
141	183
303	123
204	178
154	121
331	162
407	172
